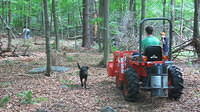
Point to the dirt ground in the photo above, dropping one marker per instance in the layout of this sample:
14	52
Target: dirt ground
64	93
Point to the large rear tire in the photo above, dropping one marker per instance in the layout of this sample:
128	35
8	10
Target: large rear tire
131	87
175	77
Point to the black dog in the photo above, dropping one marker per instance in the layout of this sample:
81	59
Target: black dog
83	74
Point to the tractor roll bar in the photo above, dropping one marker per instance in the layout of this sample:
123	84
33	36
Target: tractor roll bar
170	34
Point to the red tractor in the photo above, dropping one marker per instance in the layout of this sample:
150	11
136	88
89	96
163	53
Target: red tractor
149	70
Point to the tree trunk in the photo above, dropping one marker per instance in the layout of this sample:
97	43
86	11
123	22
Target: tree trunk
55	23
2	5
106	31
91	17
182	19
47	37
8	23
132	9
196	36
164	14
172	11
29	15
143	12
86	39
100	15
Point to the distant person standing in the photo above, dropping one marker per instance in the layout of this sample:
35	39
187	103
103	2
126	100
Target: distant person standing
164	43
26	33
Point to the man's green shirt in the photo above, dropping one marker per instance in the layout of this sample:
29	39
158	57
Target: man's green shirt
150	41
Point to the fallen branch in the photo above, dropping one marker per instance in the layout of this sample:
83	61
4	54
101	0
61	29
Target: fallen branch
7	27
182	46
75	37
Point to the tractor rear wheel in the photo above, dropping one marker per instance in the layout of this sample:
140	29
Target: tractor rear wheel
176	80
131	85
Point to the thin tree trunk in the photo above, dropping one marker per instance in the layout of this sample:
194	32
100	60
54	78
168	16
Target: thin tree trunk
164	14
100	25
55	23
42	18
106	31
91	16
86	41
143	12
29	15
2	12
47	37
172	11
131	5
9	21
196	36
182	18
135	18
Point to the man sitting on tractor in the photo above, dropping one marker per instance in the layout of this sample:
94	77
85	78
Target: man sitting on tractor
150	40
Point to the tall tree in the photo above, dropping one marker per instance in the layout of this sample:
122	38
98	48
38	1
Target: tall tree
55	23
164	14
143	11
182	19
2	6
196	36
8	23
86	39
100	15
45	3
132	9
106	31
172	11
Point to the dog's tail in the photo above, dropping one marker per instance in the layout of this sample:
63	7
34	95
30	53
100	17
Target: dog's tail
78	65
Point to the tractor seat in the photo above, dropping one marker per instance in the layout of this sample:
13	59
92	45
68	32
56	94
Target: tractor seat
153	53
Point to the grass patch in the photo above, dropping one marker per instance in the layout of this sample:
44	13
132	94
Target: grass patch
5	84
4	101
68	83
27	98
70	59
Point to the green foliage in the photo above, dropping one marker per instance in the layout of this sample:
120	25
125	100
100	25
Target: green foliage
4	84
4	101
27	98
97	20
53	45
114	48
68	83
70	58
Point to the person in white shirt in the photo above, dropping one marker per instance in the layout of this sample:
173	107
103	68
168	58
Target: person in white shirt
26	32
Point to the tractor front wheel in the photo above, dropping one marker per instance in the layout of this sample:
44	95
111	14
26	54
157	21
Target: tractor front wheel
131	85
176	80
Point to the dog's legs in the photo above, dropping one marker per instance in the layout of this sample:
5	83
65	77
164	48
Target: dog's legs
85	82
81	82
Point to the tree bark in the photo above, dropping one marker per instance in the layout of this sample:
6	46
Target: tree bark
106	31
182	18
100	15
164	14
47	37
2	5
172	11
55	23
143	12
9	21
196	36
86	39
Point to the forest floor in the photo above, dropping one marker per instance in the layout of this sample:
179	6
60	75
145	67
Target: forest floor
61	92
